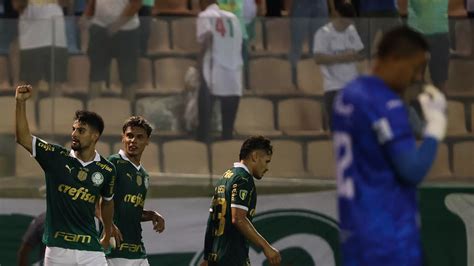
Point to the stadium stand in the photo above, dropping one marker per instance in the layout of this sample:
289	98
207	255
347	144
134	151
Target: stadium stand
169	74
320	158
463	166
223	153
274	76
114	111
150	157
300	117
185	157
310	80
78	74
456	118
287	160
7	107
52	121
248	123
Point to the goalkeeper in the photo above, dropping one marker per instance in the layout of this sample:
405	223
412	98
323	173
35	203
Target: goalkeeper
379	165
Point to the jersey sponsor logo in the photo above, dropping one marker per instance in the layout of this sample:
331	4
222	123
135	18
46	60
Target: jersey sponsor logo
77	193
136	200
97	179
69	237
104	166
82	175
243	194
130	247
46	146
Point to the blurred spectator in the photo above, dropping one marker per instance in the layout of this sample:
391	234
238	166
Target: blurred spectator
307	16
337	47
145	16
470	15
220	34
9	42
114	33
430	17
42	39
32	239
72	30
376	16
237	8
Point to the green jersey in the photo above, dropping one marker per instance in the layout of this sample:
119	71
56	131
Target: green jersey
72	189
131	186
224	244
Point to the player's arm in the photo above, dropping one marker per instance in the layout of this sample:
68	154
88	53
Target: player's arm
413	164
208	239
156	218
107	214
22	130
128	12
23	254
243	224
345	57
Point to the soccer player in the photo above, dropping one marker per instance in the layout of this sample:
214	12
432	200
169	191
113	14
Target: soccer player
229	227
74	182
379	165
130	192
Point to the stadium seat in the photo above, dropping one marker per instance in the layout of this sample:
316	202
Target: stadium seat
7	109
114	111
144	75
248	123
224	154
172	7
185	157
310	79
56	114
456	119
4	74
270	76
169	74
78	74
150	157
463	163
278	35
25	165
103	148
461	80
184	35
440	168
300	117
159	40
287	160
257	42
321	162
472	118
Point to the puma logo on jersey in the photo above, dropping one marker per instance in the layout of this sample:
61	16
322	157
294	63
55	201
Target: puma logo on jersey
69	168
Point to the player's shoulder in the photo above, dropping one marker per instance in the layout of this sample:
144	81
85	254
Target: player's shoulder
105	165
114	158
240	174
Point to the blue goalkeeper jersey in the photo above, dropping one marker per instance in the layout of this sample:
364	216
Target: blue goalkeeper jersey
378	211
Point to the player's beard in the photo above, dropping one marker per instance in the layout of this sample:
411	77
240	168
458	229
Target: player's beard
77	146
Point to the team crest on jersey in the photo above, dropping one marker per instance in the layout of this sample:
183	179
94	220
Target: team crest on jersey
139	180
243	194
82	175
97	178
146	181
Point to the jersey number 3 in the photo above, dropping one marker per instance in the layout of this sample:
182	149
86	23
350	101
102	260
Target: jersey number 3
219	208
343	151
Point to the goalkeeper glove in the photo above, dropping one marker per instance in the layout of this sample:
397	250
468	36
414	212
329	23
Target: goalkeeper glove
433	104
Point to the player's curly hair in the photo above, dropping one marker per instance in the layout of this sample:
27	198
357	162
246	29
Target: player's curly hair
255	143
91	119
137	121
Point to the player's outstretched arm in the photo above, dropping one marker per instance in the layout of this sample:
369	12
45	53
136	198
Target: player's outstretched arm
156	218
22	130
240	220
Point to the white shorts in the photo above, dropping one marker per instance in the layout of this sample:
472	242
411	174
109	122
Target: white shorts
225	81
127	262
55	256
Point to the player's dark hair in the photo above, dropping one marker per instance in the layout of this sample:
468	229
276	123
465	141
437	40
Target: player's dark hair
346	10
401	42
255	143
137	121
92	119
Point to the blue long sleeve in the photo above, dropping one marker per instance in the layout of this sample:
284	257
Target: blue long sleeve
412	166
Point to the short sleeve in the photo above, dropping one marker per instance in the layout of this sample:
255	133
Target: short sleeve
242	191
320	42
46	153
108	189
354	39
203	27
